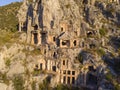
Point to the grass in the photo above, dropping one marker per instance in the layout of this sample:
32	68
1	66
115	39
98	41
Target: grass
7	62
5	37
8	22
18	83
4	78
80	58
100	52
36	72
113	80
109	76
117	87
64	87
102	32
35	52
33	85
45	85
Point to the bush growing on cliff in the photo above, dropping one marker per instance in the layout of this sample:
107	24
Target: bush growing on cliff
3	78
103	31
44	85
100	52
8	62
33	85
8	19
18	83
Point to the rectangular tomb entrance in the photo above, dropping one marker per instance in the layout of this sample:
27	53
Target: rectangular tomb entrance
68	77
44	37
35	38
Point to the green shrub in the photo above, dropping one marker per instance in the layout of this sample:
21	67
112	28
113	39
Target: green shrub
109	76
62	87
117	87
33	85
5	37
4	78
102	31
101	52
36	51
80	58
113	80
44	85
8	62
18	83
36	72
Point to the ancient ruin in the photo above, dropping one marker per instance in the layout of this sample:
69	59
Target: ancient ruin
61	40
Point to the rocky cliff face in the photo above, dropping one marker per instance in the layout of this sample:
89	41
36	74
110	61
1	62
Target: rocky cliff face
74	42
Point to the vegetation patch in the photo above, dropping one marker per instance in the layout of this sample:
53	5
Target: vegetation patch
45	85
102	32
8	61
100	52
18	82
3	78
8	19
113	80
5	37
33	85
36	72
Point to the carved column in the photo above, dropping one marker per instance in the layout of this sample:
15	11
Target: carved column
32	38
29	28
39	38
66	78
85	78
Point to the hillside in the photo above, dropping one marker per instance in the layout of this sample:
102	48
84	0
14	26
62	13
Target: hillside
8	22
8	19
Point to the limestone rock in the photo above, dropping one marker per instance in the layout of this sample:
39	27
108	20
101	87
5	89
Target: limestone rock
2	62
10	87
16	68
3	86
22	37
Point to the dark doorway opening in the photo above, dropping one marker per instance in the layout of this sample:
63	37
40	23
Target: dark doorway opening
41	66
61	29
73	80
68	80
64	79
92	80
44	36
66	43
35	38
75	43
85	1
36	27
92	46
63	62
54	68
